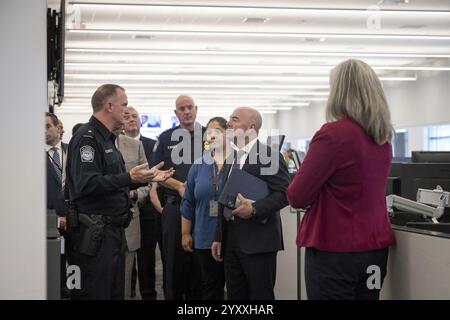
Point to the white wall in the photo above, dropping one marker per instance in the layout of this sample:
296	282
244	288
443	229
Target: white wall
24	97
415	139
301	122
422	102
412	103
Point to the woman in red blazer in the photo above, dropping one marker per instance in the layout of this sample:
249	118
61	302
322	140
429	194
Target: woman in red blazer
342	182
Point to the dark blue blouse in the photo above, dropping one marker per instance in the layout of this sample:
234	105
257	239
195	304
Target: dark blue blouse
197	195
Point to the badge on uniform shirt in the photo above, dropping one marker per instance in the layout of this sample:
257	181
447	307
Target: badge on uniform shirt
172	147
109	150
87	154
213	208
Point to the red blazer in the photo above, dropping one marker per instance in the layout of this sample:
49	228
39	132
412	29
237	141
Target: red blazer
343	178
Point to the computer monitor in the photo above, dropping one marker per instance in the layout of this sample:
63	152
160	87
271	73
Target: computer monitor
430	157
406	178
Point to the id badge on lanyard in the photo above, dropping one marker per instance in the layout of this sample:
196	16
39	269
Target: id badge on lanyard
213	208
213	204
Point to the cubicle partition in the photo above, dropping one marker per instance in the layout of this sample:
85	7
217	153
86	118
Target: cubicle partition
418	265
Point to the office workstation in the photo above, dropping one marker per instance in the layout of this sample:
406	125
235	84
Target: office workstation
419	210
267	62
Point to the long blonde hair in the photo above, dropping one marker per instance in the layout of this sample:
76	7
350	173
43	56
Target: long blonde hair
356	92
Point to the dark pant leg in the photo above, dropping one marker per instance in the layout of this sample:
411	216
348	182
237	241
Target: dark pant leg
146	259
235	279
173	252
260	271
192	277
159	241
65	260
373	265
339	276
63	276
212	275
182	277
103	276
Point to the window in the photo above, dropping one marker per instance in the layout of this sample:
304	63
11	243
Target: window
439	138
400	143
303	145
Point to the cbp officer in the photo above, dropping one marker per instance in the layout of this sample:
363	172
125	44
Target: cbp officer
98	187
178	148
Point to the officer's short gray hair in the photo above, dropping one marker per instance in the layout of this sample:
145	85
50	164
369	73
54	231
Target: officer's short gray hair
103	94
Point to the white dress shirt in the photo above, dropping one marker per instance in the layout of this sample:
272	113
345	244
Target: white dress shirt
247	148
62	158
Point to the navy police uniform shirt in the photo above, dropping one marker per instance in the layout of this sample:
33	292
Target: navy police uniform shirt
172	151
96	177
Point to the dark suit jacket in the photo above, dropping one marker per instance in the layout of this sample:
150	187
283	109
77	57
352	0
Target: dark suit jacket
253	236
147	211
55	196
148	147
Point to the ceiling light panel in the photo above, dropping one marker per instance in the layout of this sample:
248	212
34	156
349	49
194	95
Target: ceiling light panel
228	18
229	52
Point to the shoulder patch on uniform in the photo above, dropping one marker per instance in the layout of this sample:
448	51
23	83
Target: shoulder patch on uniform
87	153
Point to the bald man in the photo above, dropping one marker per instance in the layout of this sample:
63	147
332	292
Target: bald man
250	240
178	148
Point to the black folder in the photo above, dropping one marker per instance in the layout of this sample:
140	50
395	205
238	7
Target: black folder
247	185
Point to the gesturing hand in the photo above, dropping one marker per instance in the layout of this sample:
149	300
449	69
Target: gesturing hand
142	174
160	175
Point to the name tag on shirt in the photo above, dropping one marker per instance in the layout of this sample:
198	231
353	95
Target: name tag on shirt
213	208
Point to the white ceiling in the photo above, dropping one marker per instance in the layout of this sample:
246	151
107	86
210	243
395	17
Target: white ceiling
270	54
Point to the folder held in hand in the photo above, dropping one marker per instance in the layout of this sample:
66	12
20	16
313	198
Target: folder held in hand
247	185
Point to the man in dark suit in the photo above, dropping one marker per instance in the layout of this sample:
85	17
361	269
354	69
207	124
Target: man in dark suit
56	155
250	240
150	219
56	159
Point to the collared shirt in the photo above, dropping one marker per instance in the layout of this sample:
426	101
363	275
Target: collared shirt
96	177
51	151
62	158
247	148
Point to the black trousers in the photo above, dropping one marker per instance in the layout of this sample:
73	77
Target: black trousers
212	275
150	237
181	270
103	276
344	276
248	276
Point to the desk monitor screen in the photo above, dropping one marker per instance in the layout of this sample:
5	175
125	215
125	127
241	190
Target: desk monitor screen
412	176
430	157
